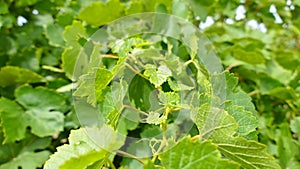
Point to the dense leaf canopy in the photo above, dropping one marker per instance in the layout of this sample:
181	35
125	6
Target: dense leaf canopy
182	84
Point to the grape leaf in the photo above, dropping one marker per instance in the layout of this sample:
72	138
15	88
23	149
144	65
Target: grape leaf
103	78
73	33
28	160
135	7
139	92
54	34
11	75
247	123
236	95
11	151
73	54
41	113
213	122
180	8
98	13
178	85
250	154
188	154
87	146
11	113
91	85
118	91
3	8
251	57
157	76
169	98
155	118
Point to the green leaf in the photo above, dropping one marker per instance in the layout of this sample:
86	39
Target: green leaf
73	33
157	76
28	160
70	57
155	118
87	146
295	126
129	120
169	98
287	60
23	3
286	146
247	123
188	154
11	151
213	122
42	109
198	9
180	8
103	78
54	34
11	75
178	85
251	57
11	113
42	113
140	91
237	95
284	93
119	90
98	14
3	8
151	6
149	165
250	154
91	85
135	7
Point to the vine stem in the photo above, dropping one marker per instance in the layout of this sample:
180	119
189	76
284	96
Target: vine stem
136	71
196	137
137	110
109	56
253	92
129	155
164	140
111	164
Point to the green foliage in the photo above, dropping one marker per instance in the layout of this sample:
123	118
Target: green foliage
205	155
149	87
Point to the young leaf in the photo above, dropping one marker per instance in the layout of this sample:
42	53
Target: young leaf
91	85
169	98
87	146
157	76
154	118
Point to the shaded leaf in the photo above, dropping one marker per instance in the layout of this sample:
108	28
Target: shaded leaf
11	75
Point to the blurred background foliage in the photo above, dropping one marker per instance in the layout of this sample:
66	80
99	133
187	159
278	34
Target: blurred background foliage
258	40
